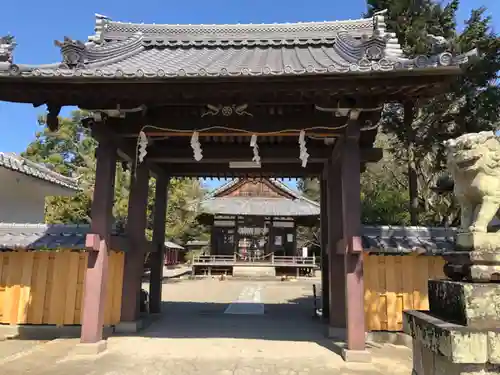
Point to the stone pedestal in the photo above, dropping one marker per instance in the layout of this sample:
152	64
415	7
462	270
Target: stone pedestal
460	335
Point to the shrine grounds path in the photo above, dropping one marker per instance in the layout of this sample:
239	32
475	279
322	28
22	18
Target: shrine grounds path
202	332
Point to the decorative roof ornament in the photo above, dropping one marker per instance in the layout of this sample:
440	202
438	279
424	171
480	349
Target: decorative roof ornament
7	45
196	146
439	44
74	52
380	44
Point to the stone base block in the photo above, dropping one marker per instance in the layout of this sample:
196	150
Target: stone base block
478	241
129	327
437	341
91	348
357	356
348	355
475	305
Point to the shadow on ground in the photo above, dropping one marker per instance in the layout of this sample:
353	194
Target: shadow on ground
291	321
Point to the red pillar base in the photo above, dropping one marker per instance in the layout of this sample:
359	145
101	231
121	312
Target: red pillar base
95	291
91	348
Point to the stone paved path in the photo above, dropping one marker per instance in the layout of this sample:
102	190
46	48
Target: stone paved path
195	336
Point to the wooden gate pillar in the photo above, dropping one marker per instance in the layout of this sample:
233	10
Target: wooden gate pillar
158	257
134	258
325	294
336	270
98	243
351	245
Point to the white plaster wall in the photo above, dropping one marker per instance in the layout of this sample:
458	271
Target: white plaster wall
22	198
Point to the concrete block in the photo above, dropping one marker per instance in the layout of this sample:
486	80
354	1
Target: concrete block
91	348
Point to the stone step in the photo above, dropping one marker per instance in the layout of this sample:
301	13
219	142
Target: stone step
253	271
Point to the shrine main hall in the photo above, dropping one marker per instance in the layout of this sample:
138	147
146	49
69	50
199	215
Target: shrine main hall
286	100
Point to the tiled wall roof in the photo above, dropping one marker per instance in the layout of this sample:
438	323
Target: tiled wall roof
19	164
380	239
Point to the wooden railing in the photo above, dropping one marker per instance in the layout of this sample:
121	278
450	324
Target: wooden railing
285	259
204	259
269	258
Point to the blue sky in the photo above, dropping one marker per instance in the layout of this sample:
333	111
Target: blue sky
37	26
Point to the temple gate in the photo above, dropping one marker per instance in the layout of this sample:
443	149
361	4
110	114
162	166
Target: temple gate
250	101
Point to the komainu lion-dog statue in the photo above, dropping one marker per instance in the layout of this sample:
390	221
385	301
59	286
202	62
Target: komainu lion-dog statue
474	163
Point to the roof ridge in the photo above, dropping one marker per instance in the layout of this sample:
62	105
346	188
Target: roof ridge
99	19
106	28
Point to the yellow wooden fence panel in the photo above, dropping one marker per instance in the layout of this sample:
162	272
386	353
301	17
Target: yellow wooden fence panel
394	284
47	287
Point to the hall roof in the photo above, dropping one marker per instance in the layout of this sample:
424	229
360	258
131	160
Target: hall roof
121	50
298	205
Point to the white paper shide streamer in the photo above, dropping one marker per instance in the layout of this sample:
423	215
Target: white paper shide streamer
304	155
196	146
255	147
142	143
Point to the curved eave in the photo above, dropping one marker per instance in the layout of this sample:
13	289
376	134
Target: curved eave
97	76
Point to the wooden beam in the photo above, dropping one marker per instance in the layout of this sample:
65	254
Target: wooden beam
272	154
263	120
95	92
221	170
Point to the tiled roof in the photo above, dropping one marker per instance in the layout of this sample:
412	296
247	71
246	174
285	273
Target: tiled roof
29	168
382	239
402	240
261	206
173	245
42	236
127	50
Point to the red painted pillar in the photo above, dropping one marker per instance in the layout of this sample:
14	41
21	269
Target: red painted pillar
134	258
158	258
351	244
98	243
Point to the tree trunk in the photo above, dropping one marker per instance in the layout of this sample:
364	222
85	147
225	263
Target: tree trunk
413	189
409	117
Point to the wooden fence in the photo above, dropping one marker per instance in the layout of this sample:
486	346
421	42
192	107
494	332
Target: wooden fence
394	284
47	287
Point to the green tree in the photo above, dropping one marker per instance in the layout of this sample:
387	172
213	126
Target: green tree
71	151
472	104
